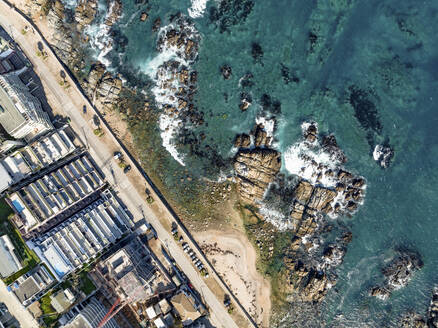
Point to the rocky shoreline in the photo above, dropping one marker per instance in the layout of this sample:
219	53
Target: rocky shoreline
328	191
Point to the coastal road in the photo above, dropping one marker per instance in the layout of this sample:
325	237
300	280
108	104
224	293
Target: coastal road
16	308
70	102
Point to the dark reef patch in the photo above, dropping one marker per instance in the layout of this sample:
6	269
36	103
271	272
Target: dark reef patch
270	105
365	110
230	13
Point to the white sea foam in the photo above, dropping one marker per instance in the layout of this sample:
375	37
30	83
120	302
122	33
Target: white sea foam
169	127
167	84
71	4
298	160
268	125
100	38
198	8
275	217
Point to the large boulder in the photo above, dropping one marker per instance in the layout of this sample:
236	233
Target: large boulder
85	13
255	169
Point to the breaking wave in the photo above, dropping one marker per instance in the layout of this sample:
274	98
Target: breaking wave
198	8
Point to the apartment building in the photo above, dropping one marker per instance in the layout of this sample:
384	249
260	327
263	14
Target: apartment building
55	193
82	237
87	314
38	155
21	113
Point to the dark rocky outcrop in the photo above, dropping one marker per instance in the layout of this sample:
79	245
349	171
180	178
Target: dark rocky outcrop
245	101
383	155
226	71
398	272
230	13
85	13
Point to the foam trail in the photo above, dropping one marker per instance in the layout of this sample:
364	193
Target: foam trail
198	8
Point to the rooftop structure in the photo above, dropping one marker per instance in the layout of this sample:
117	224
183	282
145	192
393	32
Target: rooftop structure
34	157
8	259
80	238
62	300
186	307
9	61
88	314
130	272
56	192
21	113
32	285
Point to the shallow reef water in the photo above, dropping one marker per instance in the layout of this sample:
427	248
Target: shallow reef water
365	71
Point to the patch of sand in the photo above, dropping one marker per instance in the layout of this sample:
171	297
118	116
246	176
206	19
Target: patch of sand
234	258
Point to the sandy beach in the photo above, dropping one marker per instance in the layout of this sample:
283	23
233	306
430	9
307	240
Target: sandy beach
234	258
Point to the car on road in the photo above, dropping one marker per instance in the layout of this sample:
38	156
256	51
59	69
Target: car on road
117	155
127	169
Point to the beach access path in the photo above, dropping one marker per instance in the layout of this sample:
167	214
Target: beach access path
130	187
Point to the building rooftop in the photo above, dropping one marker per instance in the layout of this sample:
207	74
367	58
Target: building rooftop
69	244
62	300
8	259
31	284
10	116
186	308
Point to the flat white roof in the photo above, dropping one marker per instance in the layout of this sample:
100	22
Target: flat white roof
5	178
57	261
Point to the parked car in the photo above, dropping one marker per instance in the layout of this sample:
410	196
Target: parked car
117	155
84	109
191	252
187	249
127	169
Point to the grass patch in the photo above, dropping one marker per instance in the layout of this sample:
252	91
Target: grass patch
98	132
27	256
87	285
50	316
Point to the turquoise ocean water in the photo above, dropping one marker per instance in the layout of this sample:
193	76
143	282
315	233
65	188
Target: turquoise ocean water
314	55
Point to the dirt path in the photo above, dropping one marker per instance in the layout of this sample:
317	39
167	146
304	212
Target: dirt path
234	258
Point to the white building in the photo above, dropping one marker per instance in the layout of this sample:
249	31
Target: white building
82	237
39	154
8	259
21	113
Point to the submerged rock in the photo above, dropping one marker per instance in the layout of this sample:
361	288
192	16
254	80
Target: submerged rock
256	52
226	71
156	24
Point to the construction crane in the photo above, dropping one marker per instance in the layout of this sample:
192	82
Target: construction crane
113	311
